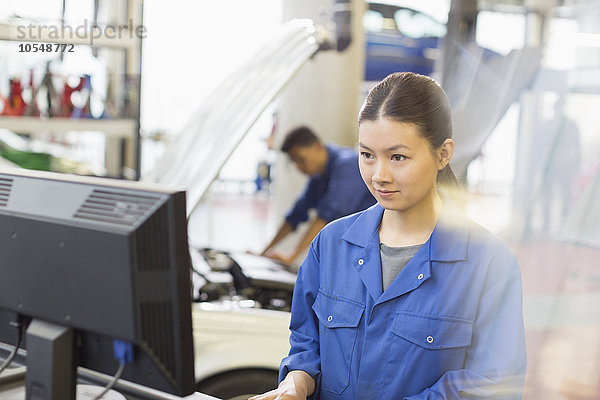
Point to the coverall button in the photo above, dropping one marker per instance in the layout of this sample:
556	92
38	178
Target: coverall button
420	277
361	261
330	318
429	339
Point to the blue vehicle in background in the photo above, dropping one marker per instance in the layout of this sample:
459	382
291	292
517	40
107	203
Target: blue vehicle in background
400	39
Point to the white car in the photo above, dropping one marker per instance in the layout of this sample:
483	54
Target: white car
241	322
238	349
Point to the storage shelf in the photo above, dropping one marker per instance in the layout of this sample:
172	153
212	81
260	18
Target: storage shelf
122	144
41	34
119	128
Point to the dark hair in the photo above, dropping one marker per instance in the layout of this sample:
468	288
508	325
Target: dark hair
416	99
301	136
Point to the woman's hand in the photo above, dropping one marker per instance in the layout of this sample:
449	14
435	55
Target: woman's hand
297	385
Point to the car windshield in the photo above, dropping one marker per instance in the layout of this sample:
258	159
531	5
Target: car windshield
374	21
416	25
408	22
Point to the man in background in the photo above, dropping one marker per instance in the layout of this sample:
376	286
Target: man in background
335	188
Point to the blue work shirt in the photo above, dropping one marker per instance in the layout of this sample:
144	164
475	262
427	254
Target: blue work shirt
449	326
337	192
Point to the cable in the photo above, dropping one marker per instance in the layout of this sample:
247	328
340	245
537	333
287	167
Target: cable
124	353
19	325
11	356
112	383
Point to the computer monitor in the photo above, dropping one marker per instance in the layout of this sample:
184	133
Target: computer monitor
104	259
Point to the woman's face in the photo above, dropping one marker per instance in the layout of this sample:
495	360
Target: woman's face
397	163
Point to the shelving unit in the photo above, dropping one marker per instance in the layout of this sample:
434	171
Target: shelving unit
122	134
113	128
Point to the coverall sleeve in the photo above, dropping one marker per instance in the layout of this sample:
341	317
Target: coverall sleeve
495	364
304	326
309	199
344	193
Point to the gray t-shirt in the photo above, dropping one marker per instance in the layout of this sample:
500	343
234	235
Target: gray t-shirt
393	259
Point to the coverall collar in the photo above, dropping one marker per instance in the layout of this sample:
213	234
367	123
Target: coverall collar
447	243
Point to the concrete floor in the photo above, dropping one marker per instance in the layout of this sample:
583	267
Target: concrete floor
561	284
233	221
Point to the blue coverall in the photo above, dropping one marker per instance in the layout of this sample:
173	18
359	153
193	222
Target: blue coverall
449	326
337	192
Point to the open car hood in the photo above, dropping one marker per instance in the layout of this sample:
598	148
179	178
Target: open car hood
196	155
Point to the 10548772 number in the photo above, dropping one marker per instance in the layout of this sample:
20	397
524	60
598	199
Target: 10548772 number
46	48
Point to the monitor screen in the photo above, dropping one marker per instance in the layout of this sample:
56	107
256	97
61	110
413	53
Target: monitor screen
108	259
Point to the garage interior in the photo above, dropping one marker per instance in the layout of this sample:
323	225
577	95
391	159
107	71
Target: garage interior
199	96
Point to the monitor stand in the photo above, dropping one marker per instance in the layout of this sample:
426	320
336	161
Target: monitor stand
51	367
51	371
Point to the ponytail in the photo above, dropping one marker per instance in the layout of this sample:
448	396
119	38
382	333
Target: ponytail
447	179
448	183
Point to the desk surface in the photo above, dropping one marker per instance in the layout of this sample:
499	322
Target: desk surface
12	387
15	390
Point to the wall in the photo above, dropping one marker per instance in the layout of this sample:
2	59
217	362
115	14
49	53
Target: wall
324	95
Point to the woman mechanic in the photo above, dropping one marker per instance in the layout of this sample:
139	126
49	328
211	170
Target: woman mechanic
407	299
